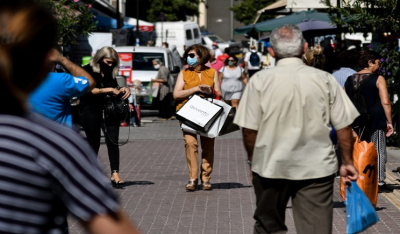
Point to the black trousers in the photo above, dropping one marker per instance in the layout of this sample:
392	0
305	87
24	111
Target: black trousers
165	108
312	204
91	124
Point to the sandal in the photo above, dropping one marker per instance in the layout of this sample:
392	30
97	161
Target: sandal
191	185
116	182
207	185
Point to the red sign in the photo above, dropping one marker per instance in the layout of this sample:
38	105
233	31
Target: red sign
126	57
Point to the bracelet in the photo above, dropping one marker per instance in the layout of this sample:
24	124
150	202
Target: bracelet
100	91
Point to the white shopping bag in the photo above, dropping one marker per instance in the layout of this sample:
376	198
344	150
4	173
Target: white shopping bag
199	113
215	129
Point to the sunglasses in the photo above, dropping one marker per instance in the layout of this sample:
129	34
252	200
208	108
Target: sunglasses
192	55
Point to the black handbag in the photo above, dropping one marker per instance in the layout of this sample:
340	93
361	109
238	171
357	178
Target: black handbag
116	107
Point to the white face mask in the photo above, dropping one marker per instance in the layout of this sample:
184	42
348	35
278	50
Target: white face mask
157	66
253	50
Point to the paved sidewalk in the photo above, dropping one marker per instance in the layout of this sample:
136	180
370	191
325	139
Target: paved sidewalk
154	166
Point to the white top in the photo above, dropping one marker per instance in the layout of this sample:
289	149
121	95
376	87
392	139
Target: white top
292	106
247	59
218	52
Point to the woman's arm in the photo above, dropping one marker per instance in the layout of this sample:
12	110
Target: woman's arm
179	92
217	84
220	76
114	91
244	78
385	101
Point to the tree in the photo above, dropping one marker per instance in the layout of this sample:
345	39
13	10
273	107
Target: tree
173	10
246	10
73	18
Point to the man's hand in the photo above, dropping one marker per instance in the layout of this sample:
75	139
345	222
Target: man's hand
348	173
389	130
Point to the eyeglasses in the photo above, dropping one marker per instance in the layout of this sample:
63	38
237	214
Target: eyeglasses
192	55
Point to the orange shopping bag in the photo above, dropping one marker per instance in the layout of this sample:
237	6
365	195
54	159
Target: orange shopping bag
366	161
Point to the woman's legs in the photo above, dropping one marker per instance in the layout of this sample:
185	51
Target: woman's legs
111	135
207	157
191	150
235	103
91	125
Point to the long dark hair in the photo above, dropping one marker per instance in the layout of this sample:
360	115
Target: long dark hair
27	33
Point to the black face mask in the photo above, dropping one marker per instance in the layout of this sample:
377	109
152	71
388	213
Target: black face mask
106	68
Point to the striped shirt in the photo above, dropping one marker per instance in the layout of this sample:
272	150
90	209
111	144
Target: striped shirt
342	74
47	170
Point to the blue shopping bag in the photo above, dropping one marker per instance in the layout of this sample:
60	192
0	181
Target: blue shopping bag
359	210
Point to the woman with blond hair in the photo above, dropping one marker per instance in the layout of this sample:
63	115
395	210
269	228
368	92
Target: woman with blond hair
315	57
103	67
197	79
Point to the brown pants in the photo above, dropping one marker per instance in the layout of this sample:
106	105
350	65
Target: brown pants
207	155
312	204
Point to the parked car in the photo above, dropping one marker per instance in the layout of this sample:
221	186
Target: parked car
136	63
234	47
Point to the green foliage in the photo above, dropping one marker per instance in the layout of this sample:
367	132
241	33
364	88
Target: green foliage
246	10
174	10
73	18
366	15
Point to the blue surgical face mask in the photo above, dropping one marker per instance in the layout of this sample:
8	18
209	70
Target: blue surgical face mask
191	61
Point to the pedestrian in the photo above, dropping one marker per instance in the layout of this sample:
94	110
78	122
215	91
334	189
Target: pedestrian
103	67
215	63
164	93
232	77
217	50
285	113
197	79
46	169
165	45
252	61
55	103
315	57
176	56
347	61
378	125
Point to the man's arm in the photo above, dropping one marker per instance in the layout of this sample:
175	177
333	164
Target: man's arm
72	68
347	171
249	140
111	223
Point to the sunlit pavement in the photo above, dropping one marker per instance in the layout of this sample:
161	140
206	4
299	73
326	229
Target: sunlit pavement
154	166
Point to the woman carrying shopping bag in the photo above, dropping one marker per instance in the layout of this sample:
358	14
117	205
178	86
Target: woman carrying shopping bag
197	78
232	78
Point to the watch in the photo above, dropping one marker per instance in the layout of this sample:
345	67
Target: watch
100	91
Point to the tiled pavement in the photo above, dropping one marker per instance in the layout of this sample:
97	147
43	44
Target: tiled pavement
153	165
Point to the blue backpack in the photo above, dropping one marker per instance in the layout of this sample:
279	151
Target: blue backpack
254	59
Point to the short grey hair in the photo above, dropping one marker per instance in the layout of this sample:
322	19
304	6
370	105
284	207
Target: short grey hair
287	41
158	61
105	52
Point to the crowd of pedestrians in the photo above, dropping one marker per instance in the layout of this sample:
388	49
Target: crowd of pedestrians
286	113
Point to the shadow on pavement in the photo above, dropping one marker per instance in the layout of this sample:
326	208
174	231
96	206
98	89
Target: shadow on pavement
338	204
229	186
130	183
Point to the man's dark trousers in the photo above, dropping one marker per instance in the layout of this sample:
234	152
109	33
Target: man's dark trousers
312	204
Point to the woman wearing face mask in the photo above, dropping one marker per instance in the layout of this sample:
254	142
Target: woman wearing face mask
197	79
164	93
103	67
232	78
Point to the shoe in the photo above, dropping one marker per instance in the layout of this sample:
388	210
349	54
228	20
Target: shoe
191	185
207	185
161	119
172	118
116	183
384	189
124	124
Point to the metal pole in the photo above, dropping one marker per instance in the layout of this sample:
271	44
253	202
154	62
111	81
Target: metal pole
231	21
137	23
118	16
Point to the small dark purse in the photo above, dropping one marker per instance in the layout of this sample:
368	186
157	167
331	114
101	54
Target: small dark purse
116	107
